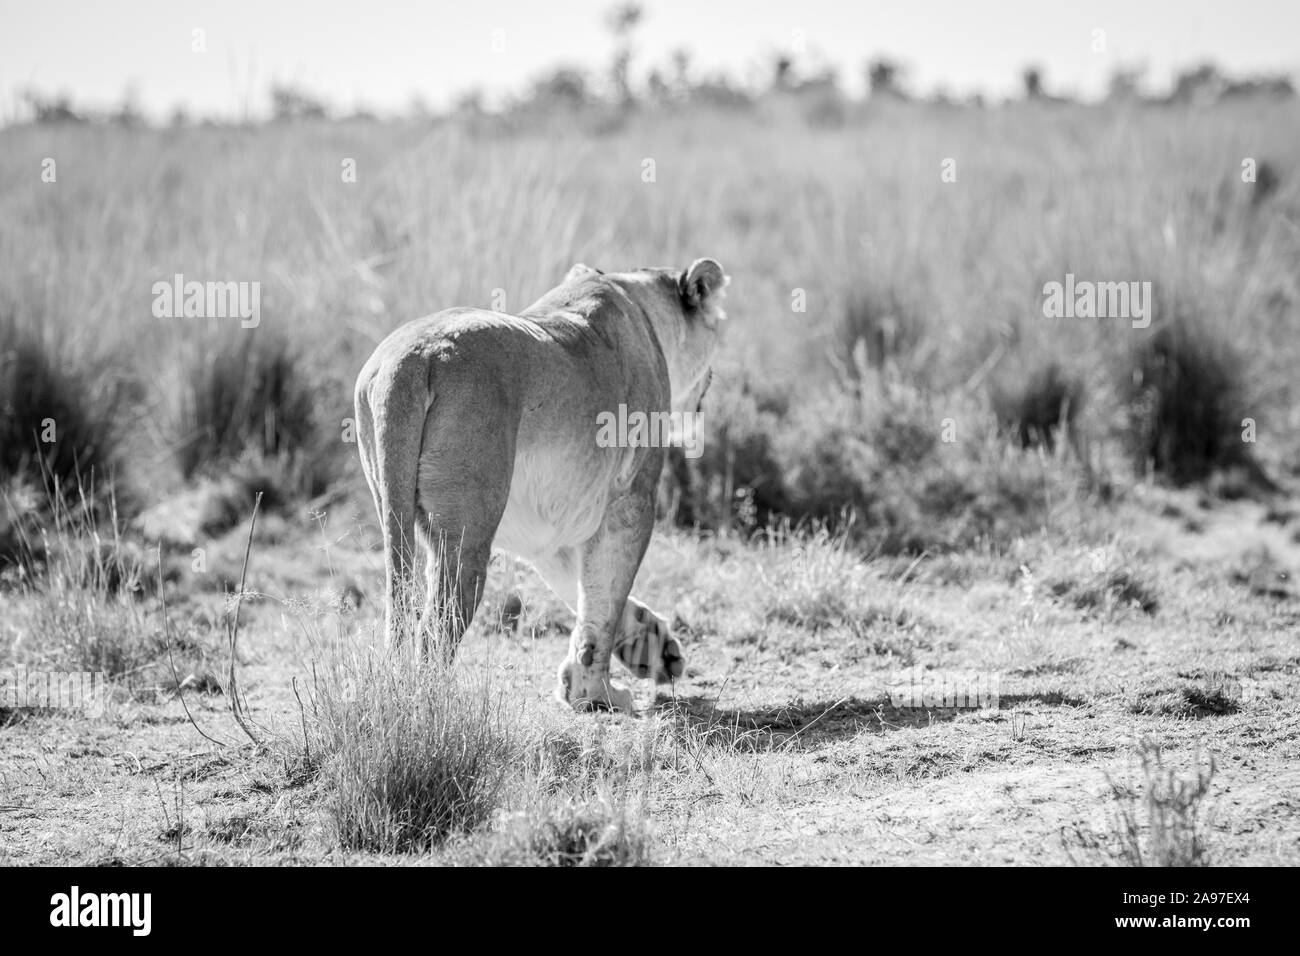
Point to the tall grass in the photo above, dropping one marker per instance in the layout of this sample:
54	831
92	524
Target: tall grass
837	245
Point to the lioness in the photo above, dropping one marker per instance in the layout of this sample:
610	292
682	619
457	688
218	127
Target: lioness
479	429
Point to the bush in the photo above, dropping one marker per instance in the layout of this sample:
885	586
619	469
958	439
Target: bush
1267	180
1036	408
881	455
58	424
737	476
869	459
244	398
1186	403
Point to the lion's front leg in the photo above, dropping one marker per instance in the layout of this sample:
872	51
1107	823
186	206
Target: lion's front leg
608	564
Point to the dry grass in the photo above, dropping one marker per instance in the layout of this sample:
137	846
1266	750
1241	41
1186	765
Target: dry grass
1161	820
903	275
79	593
567	833
781	745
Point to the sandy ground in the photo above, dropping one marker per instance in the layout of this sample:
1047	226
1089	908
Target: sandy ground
781	745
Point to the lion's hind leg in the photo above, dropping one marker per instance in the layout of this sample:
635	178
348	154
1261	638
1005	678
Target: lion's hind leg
463	485
390	420
456	566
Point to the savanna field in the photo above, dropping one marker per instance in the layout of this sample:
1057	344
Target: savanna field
906	465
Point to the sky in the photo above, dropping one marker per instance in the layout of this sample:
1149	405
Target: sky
380	53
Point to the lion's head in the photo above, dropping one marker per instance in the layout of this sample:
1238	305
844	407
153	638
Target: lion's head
685	307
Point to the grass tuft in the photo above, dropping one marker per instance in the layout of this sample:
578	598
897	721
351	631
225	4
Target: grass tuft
595	832
1160	822
415	753
81	595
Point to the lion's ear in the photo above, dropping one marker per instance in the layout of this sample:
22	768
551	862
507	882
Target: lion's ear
701	281
581	269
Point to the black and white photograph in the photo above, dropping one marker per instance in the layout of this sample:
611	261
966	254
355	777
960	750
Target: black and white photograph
650	433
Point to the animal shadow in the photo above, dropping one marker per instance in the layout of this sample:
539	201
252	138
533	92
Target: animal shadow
799	723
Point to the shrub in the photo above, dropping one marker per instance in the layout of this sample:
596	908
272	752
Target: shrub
737	476
1187	400
58	424
881	456
1036	408
872	452
244	397
1267	180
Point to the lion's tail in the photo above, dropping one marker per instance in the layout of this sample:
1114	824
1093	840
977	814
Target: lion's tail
392	401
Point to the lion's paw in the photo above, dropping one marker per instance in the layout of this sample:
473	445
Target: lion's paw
585	688
647	647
